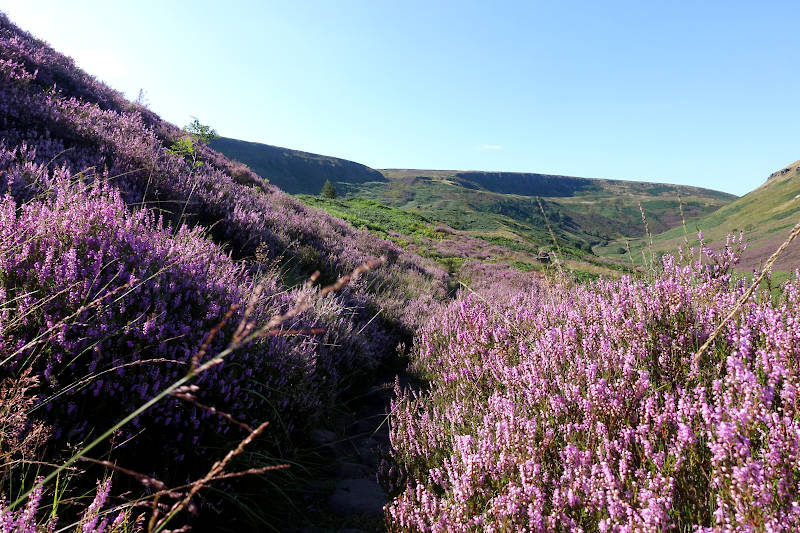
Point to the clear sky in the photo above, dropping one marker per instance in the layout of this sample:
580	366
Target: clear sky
699	93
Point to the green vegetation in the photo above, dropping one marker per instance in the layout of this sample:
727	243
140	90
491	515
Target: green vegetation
328	190
201	132
185	146
583	212
373	216
449	247
765	215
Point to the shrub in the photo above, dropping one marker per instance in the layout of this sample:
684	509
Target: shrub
584	408
328	190
159	292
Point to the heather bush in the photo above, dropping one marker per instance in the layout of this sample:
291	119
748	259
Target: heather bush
584	408
159	292
495	281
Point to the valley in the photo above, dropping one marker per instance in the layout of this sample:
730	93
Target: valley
498	216
199	333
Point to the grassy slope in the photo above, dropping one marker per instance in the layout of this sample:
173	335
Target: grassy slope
765	215
583	212
449	247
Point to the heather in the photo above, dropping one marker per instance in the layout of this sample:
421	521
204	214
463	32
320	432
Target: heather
83	245
95	519
132	254
66	118
104	306
585	408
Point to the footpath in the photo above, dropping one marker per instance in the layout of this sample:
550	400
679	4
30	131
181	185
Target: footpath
344	496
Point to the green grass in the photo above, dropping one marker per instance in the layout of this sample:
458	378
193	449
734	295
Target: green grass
509	243
373	216
765	215
583	212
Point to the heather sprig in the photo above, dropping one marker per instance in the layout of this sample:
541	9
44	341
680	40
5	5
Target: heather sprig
94	518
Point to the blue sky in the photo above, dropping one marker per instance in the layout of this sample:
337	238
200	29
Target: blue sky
699	93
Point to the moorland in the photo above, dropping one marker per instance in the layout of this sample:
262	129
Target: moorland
192	337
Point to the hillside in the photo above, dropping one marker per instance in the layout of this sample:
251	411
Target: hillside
765	215
584	212
185	345
134	259
294	171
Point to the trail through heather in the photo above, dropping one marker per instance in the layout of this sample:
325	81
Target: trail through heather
345	494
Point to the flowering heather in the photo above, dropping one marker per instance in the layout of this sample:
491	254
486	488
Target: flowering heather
583	408
25	521
59	115
159	292
496	281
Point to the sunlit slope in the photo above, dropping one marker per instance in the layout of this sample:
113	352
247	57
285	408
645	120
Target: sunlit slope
765	215
583	212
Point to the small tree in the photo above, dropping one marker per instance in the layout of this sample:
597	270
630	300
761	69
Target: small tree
203	133
328	190
185	146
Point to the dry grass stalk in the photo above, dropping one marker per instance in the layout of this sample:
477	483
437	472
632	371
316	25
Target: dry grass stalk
649	237
630	255
19	435
217	470
552	234
683	221
186	393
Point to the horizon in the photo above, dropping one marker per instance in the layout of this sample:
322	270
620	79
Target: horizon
686	95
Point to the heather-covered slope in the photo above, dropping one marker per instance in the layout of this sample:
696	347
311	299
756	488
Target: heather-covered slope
87	127
123	260
159	293
765	215
562	407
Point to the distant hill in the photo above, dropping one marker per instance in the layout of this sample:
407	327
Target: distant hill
765	215
584	212
294	171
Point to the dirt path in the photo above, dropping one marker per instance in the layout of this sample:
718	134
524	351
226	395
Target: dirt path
345	495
